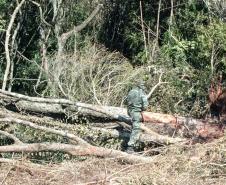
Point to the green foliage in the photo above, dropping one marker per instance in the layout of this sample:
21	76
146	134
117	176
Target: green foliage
121	29
25	77
193	42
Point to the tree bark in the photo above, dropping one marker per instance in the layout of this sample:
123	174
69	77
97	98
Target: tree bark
206	129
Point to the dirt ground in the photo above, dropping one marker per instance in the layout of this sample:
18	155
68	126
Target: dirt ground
200	164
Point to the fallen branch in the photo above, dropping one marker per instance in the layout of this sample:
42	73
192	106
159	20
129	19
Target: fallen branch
7	174
76	150
64	37
155	136
158	138
14	138
41	13
4	160
147	138
51	130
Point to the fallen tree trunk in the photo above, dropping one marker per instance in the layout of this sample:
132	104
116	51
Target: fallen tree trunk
206	129
47	105
77	150
191	127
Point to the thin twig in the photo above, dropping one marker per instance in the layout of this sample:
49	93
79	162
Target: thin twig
155	87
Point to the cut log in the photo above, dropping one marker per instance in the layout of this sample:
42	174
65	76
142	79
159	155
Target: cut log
206	129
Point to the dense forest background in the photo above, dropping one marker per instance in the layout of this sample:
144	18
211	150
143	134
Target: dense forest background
177	46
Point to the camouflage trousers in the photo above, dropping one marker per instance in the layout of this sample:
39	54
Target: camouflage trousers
136	123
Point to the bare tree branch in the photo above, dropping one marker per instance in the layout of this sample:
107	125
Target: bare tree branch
157	30
14	46
155	87
41	13
154	136
51	130
80	27
14	138
8	61
62	39
212	59
4	160
143	30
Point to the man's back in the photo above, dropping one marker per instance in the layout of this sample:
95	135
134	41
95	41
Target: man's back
137	99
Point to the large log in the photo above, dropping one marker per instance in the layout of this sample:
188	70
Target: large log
204	129
189	126
58	106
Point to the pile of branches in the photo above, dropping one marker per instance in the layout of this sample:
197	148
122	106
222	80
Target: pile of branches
78	145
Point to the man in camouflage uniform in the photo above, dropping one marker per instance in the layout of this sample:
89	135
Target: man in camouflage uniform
136	103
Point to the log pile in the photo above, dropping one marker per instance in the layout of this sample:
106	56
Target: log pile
12	102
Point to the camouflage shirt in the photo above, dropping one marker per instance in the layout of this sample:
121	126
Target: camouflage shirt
137	100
